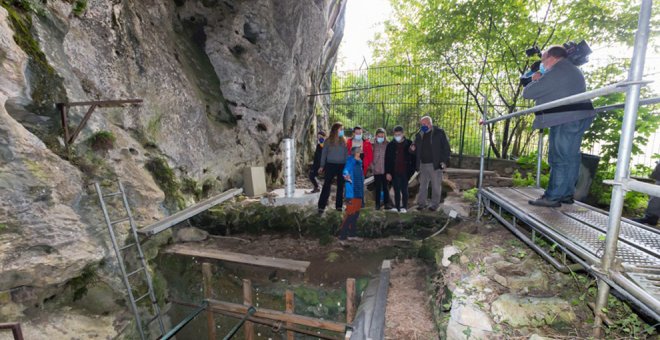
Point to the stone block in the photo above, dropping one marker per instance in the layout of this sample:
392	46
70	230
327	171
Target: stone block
254	181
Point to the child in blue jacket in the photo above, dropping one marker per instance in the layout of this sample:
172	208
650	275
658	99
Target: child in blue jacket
354	193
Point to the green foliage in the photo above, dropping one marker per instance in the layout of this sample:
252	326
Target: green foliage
166	180
480	45
601	193
190	186
102	140
528	162
470	195
529	180
79	7
87	277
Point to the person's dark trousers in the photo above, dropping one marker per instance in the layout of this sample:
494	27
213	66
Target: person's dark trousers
400	183
331	171
381	189
564	158
349	224
312	178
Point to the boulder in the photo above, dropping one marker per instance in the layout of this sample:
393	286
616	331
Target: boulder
447	252
191	234
521	311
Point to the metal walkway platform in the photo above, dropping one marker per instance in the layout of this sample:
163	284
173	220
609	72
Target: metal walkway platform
579	230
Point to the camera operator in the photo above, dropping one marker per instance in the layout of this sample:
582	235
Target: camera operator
557	78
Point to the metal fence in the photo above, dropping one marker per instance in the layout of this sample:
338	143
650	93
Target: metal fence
387	96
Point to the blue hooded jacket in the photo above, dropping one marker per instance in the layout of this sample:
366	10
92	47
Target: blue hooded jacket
354	188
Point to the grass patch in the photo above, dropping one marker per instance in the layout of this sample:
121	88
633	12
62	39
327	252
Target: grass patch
80	284
166	180
79	7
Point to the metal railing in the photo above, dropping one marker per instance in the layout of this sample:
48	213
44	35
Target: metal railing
622	181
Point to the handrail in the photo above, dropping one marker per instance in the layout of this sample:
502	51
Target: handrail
576	98
642	102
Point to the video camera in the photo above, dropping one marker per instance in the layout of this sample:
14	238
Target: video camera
578	54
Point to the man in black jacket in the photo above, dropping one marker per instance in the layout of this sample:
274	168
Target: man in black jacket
653	210
399	167
314	170
432	148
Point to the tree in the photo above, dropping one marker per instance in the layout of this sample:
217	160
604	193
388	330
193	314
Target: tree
482	44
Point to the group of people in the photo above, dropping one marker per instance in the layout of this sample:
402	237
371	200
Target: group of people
391	162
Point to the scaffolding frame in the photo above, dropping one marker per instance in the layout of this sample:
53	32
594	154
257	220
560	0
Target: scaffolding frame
605	271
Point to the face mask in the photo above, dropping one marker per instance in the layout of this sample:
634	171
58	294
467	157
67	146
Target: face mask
321	140
542	69
357	137
380	139
398	138
425	128
341	133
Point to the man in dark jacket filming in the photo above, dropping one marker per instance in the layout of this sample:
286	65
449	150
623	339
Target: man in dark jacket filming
556	79
432	149
653	209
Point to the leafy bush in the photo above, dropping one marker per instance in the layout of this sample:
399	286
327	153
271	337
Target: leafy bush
470	195
102	141
79	7
601	193
529	180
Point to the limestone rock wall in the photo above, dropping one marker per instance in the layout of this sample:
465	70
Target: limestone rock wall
223	82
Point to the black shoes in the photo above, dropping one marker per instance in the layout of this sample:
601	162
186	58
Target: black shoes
647	219
544	202
567	200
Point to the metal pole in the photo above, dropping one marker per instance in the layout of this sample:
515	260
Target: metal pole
251	310
481	158
623	158
185	321
539	159
289	167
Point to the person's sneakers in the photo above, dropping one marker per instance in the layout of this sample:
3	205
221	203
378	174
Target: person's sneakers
356	239
647	219
433	208
421	207
544	202
313	191
394	210
403	210
320	211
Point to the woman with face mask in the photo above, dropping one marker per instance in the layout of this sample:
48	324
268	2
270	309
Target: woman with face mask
333	159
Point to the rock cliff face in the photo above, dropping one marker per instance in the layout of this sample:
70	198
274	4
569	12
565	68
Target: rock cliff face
223	82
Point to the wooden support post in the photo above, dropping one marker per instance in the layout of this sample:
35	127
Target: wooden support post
350	300
207	276
248	327
290	307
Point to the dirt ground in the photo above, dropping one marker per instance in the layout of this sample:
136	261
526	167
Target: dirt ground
408	311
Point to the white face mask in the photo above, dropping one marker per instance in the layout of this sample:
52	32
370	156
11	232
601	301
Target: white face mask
357	137
398	138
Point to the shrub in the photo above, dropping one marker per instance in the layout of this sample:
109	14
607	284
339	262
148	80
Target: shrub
79	7
102	141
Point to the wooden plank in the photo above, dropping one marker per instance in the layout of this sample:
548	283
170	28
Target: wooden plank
276	324
350	300
207	276
290	307
377	328
221	306
247	301
262	261
82	124
188	212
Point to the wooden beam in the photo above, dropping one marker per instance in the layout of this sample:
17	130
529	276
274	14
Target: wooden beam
247	301
189	212
207	276
290	307
103	103
221	306
276	324
262	261
350	300
15	328
82	124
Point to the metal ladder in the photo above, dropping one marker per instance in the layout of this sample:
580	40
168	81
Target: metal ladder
133	242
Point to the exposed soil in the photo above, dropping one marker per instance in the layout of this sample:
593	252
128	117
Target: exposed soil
408	303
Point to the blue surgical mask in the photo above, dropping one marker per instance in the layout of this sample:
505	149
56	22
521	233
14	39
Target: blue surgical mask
542	69
341	133
398	138
380	139
321	140
425	128
357	137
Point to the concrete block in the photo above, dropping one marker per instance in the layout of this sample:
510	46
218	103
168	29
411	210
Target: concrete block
254	181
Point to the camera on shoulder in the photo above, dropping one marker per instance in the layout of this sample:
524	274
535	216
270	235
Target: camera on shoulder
578	54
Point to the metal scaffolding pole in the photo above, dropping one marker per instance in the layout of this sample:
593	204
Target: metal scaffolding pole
623	158
482	156
539	159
